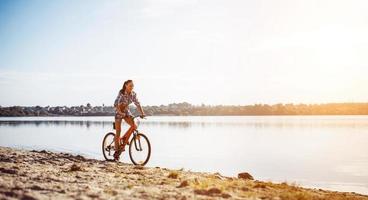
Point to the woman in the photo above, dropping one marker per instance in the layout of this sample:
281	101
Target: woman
125	97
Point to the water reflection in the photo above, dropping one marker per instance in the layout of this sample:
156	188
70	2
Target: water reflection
37	123
280	122
89	124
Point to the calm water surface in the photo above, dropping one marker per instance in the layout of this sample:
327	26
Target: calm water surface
329	152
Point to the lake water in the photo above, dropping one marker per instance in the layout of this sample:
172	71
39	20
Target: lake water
329	152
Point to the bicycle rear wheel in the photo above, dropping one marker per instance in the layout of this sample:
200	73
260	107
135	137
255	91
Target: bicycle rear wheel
139	149
108	146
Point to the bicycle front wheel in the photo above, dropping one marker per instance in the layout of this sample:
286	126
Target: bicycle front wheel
139	149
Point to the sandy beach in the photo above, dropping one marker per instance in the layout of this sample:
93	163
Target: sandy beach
48	175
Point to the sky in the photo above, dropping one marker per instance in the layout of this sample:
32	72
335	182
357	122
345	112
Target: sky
198	51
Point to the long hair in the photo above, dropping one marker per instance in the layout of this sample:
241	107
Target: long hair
122	91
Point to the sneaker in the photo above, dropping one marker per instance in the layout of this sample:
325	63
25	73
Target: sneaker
117	155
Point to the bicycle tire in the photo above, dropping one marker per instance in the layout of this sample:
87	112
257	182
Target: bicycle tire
103	146
132	145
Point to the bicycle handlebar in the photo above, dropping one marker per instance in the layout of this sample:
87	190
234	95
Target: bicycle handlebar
139	116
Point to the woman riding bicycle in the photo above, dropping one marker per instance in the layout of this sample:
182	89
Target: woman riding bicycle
125	96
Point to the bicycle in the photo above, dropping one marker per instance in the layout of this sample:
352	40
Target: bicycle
139	146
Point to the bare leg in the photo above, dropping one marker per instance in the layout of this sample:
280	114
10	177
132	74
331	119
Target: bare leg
117	135
132	127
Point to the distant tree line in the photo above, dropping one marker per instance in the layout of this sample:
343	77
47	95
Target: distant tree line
189	109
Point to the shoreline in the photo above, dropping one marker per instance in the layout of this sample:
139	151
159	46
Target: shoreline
31	174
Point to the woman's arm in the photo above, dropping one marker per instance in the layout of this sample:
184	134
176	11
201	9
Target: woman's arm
137	103
140	110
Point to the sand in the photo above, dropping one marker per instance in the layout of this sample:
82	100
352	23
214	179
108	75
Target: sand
48	175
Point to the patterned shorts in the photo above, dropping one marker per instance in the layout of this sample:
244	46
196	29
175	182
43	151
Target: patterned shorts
121	116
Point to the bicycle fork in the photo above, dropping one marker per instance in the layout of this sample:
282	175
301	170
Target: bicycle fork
138	146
